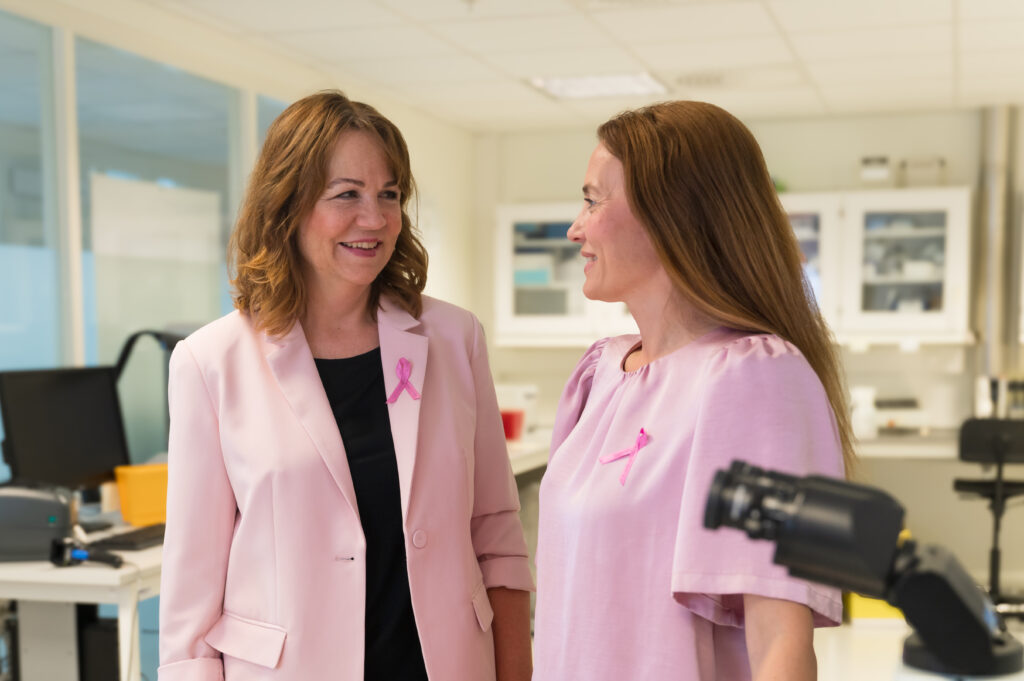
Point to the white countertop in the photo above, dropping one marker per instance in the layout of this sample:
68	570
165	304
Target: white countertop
528	454
873	651
940	443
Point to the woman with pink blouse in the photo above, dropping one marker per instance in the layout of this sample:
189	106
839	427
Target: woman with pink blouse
733	361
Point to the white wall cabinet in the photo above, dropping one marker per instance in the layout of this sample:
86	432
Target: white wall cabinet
539	297
893	265
886	266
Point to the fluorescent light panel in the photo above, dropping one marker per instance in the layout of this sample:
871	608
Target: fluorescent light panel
589	87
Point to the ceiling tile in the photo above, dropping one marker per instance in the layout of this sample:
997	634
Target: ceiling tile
637	25
972	10
1001	63
991	35
605	107
871	69
273	15
873	42
365	43
715	55
783	101
753	79
991	90
519	34
498	90
911	94
439	69
818	15
442	10
579	62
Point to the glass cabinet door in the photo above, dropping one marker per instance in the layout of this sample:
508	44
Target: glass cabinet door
815	222
907	253
903	261
539	278
547	270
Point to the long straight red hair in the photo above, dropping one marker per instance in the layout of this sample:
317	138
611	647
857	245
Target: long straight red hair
697	180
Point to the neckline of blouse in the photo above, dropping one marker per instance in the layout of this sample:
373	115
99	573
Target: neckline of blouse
703	338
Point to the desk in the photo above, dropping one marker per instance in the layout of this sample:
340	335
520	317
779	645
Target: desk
528	455
869	650
46	595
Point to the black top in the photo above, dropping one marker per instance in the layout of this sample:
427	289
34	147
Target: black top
355	389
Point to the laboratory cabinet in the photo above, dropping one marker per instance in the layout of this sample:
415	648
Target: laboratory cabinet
885	266
539	297
888	265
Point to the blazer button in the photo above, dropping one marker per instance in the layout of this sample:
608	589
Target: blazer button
419	539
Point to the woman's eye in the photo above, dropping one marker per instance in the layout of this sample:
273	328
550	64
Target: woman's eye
389	194
350	194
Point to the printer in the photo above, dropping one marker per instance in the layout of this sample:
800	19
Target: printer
30	519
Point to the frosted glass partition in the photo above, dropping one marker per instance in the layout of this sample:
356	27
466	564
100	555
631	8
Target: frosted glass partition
267	109
154	169
30	326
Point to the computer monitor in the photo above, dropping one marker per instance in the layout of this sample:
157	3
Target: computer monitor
62	426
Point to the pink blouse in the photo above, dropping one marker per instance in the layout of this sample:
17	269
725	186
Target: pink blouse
629	583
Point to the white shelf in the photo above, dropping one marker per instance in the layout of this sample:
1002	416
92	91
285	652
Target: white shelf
905	233
896	279
523	242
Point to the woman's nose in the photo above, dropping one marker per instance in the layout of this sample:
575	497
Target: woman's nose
575	232
371	215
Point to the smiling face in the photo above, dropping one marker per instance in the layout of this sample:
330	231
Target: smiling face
350	234
621	263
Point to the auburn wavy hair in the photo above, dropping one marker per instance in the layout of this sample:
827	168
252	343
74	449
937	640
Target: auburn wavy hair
288	178
696	179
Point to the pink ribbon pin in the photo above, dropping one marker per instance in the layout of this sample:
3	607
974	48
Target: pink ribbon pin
641	442
404	371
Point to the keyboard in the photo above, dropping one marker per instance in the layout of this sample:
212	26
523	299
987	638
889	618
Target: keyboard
131	540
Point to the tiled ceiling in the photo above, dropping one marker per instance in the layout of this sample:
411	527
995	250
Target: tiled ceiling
467	61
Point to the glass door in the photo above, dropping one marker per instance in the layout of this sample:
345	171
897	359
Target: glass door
908	254
815	221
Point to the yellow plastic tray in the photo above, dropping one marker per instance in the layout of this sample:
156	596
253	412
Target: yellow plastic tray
143	492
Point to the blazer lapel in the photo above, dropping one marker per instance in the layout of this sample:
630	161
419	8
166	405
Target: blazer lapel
399	341
291	362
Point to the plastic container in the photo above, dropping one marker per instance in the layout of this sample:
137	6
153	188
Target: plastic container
864	418
863	608
512	421
143	492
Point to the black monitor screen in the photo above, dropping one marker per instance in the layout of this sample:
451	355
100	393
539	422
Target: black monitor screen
62	426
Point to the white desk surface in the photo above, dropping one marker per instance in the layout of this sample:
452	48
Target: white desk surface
528	455
48	594
871	651
84	583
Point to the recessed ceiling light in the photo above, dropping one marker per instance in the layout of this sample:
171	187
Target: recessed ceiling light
584	87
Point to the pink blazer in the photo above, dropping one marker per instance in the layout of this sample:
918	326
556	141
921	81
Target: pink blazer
264	556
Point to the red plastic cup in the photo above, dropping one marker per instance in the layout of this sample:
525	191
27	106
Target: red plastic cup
512	421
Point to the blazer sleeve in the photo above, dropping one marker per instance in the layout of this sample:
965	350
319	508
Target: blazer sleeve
201	512
497	532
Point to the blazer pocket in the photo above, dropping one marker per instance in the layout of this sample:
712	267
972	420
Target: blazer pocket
482	608
249	640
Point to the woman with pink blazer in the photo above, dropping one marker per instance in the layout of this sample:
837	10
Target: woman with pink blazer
340	502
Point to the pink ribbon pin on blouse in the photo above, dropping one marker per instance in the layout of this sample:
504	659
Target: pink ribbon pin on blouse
641	442
404	371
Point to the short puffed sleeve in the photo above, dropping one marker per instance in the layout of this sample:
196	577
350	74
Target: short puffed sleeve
760	402
575	393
